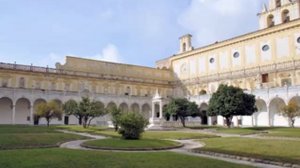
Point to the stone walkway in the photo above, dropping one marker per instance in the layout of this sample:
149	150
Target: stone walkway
186	149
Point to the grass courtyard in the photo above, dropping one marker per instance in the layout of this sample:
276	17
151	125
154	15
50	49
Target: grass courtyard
65	158
277	150
20	137
146	135
15	137
142	144
264	131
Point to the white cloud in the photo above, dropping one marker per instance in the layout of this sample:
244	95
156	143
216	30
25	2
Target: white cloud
216	20
109	53
56	58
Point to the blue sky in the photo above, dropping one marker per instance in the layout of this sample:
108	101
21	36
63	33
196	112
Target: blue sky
139	32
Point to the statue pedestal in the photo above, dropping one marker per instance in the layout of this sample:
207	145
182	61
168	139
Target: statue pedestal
155	124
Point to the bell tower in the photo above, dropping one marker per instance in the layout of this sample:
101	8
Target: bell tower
278	12
185	43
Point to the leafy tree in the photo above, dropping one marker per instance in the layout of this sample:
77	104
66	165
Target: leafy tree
71	107
49	111
90	110
181	108
229	101
132	125
291	111
116	114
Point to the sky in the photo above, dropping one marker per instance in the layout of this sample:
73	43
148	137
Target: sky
140	32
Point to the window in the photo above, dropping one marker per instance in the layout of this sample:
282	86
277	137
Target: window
265	78
21	82
278	3
270	21
4	83
298	40
236	55
128	90
285	16
286	82
265	47
183	47
211	60
53	86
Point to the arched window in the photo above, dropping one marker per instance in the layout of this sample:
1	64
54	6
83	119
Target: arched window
128	91
270	21
278	3
22	82
285	16
183	47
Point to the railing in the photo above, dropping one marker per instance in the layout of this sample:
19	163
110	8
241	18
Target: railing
283	91
66	93
79	73
243	73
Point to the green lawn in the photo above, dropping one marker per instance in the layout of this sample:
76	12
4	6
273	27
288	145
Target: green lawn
145	135
277	150
284	132
267	131
26	129
19	137
64	158
117	143
240	131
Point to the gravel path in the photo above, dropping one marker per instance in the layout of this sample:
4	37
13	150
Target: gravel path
186	149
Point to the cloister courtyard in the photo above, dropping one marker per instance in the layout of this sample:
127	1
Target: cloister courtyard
207	146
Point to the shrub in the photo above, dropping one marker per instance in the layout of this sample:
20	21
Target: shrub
132	125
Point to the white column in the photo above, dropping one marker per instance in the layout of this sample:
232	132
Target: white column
269	117
13	113
153	110
31	115
160	110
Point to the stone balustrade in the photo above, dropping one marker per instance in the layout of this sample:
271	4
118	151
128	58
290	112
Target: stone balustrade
243	73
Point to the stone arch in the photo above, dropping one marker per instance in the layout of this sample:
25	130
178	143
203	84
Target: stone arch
6	105
71	119
135	108
35	104
203	113
261	116
59	102
146	111
296	99
111	105
101	104
275	107
22	115
124	107
285	16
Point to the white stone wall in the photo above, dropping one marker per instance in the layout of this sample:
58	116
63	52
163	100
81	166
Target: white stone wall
17	105
269	102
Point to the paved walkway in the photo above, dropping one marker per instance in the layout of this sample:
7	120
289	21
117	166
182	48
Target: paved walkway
186	149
